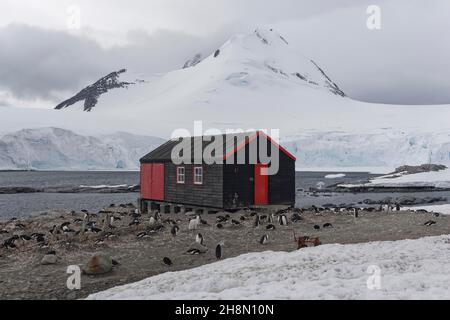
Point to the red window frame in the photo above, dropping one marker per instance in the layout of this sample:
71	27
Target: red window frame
202	176
178	175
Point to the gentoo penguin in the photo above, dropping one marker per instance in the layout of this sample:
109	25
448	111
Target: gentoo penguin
317	227
243	218
167	261
194	223
40	239
356	212
66	230
264	239
328	225
95	230
429	223
219	226
397	207
271	217
25	238
283	220
152	221
235	222
175	230
199	239
100	241
142	235
257	221
43	245
221	219
296	218
4	231
270	227
219	251
193	252
157	216
135	222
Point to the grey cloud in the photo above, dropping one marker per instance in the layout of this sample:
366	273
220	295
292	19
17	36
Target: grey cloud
40	63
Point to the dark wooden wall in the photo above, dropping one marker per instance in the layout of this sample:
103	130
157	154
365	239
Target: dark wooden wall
238	180
210	194
282	185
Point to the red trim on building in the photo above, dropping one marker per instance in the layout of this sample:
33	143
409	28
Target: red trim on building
251	139
290	155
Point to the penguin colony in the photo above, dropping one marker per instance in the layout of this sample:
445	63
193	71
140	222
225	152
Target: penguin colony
108	224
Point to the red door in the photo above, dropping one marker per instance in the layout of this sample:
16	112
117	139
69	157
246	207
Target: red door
158	182
146	181
261	185
152	182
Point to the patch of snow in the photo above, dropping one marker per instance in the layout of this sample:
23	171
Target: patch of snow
410	269
106	186
370	170
335	176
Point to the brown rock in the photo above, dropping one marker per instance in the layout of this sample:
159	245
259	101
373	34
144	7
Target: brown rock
98	264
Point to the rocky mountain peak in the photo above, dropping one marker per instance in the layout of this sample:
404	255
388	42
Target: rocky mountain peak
91	94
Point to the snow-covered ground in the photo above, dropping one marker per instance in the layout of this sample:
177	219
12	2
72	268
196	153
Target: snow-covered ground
408	269
437	179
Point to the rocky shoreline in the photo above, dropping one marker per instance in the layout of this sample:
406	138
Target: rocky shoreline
80	189
131	246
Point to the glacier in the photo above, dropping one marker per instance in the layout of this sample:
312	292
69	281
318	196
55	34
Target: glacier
60	149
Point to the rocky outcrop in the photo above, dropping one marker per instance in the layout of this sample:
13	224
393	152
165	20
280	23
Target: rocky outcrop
92	93
420	169
193	62
49	259
98	264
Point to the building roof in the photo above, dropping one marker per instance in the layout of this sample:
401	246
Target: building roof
231	144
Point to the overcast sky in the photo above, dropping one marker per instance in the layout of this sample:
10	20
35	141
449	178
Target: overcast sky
45	57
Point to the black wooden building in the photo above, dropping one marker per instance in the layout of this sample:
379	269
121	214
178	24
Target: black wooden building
239	182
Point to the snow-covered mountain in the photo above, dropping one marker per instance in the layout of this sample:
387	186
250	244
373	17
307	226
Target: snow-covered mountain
59	149
255	81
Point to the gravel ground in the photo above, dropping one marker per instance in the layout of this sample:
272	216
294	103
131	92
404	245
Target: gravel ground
23	277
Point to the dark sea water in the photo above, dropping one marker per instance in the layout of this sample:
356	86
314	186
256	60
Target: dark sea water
19	205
